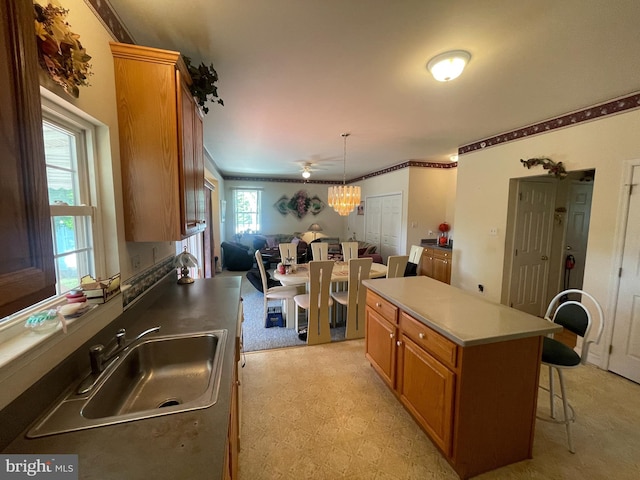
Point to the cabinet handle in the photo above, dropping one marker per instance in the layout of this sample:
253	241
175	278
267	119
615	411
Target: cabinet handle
421	335
378	304
391	335
398	343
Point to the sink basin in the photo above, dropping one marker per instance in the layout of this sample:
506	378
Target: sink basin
158	376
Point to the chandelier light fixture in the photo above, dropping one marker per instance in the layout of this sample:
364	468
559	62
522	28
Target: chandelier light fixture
306	171
449	65
343	199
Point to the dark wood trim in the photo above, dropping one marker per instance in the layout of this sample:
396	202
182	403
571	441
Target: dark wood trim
34	278
110	20
400	166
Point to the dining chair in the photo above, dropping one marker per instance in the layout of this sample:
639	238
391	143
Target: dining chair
576	317
288	251
316	302
355	297
273	293
396	265
415	255
349	250
320	251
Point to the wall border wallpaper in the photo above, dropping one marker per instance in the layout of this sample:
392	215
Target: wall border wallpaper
592	113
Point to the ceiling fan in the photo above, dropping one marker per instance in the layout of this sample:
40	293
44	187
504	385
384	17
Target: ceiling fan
307	167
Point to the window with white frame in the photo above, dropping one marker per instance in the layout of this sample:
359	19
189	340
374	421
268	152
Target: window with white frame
246	209
72	196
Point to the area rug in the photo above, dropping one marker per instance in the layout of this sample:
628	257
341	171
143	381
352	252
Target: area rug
255	335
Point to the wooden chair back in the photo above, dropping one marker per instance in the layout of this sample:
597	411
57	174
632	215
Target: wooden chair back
396	264
288	251
349	250
359	269
320	251
318	328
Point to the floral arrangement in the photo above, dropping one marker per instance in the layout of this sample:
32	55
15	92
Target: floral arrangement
203	83
555	169
59	49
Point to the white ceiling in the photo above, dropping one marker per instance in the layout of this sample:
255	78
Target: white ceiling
296	74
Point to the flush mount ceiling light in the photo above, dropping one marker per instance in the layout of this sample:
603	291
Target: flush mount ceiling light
453	158
448	65
344	199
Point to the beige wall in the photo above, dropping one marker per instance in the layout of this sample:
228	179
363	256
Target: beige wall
428	198
273	222
482	200
394	182
432	193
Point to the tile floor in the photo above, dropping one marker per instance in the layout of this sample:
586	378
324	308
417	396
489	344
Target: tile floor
321	412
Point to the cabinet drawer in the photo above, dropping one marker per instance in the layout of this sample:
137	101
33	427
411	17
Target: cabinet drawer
439	346
383	307
441	254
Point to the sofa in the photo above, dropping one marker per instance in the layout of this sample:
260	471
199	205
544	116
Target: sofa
236	257
269	245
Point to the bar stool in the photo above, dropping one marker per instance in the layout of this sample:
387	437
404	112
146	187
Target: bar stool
575	317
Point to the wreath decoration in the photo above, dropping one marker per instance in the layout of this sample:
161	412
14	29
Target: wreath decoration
60	52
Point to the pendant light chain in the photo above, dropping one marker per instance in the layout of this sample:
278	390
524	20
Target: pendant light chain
344	159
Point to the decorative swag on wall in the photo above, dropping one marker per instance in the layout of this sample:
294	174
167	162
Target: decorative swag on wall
299	204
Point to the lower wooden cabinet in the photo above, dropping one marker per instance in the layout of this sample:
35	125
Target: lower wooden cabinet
436	264
426	388
233	436
477	403
381	345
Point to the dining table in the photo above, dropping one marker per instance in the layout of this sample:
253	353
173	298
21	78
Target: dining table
300	277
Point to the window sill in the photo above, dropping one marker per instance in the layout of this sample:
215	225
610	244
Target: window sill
27	356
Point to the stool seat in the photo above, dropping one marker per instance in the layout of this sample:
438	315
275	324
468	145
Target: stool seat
557	353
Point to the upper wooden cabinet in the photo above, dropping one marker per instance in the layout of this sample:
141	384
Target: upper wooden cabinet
27	273
161	150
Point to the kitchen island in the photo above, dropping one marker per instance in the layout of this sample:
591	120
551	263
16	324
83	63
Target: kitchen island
193	444
466	369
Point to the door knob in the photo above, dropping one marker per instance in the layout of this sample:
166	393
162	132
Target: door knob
544	257
569	247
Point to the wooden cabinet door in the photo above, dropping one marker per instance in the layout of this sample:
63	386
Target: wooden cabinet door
426	265
187	163
198	169
426	388
442	269
380	345
27	273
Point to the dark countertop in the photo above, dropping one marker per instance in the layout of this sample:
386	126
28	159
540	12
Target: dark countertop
447	248
182	445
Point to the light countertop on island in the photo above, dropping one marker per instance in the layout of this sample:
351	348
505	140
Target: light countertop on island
460	316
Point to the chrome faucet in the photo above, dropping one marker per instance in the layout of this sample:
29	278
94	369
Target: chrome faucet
101	357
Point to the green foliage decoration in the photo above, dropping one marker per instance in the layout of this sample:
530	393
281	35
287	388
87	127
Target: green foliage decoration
204	83
555	169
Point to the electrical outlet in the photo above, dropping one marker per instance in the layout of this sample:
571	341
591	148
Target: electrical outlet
431	233
154	250
481	288
493	231
135	262
414	224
